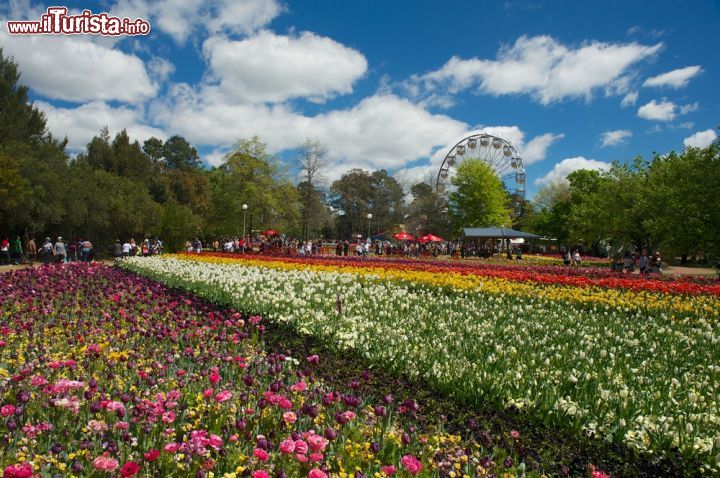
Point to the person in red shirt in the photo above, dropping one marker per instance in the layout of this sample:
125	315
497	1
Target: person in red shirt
5	252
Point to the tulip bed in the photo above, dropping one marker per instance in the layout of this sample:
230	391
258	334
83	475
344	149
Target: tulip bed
633	362
106	373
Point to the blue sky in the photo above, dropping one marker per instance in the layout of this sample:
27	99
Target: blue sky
388	84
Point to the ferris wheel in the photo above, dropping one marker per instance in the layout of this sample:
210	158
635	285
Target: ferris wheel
500	155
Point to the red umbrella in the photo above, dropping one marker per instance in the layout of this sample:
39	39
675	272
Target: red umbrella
270	232
430	238
404	236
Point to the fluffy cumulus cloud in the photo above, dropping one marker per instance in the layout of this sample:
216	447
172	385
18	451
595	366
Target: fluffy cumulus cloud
381	131
269	67
81	124
78	69
543	68
614	138
674	79
561	170
665	110
701	139
182	18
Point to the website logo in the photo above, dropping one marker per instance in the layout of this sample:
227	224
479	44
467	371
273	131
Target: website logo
56	21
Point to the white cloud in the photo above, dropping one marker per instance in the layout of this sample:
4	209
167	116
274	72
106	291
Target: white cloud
274	68
182	18
674	79
685	109
160	68
245	16
701	139
543	68
663	111
382	131
78	69
629	99
613	138
81	124
569	165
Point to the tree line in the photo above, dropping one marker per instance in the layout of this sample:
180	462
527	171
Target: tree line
119	188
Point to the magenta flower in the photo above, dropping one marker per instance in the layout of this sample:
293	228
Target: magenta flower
412	464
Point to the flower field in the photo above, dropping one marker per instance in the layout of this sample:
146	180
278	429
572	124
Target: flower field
105	373
629	360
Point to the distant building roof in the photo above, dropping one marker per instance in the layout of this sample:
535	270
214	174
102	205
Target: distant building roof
499	232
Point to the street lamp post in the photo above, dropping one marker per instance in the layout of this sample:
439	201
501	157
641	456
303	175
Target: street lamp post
369	216
244	206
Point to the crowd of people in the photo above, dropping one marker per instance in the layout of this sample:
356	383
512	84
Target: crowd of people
641	260
14	252
147	247
49	251
290	246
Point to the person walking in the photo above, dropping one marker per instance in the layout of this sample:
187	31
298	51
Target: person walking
643	262
48	251
126	248
117	249
31	250
5	252
60	251
576	258
87	249
16	250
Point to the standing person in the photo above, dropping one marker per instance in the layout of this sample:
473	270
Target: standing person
628	263
146	248
48	251
31	250
16	250
117	249
567	258
576	258
72	251
643	262
5	252
87	249
656	263
60	251
346	248
126	248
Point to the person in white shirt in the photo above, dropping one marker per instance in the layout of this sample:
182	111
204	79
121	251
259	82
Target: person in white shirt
126	248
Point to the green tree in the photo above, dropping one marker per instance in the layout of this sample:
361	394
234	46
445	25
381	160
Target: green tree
316	218
312	162
19	121
550	211
682	202
479	198
250	175
359	193
179	154
427	213
177	225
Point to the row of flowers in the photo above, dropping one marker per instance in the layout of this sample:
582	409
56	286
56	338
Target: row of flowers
576	277
703	305
635	377
105	373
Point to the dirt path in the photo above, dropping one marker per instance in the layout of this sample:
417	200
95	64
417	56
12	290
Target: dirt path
690	271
